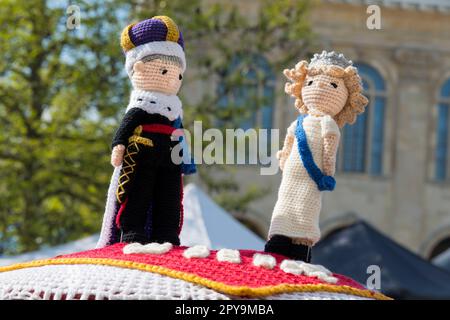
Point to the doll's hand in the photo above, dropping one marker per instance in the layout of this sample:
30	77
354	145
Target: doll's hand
117	155
279	154
281	158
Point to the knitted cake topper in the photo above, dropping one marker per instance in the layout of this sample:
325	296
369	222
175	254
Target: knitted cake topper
174	274
328	94
145	194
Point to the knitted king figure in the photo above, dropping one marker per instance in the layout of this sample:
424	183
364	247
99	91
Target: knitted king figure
145	195
327	94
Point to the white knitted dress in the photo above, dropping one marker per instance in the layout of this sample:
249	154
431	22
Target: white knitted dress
296	213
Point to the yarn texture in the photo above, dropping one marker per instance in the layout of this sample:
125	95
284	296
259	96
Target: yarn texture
145	193
328	95
102	282
232	279
296	212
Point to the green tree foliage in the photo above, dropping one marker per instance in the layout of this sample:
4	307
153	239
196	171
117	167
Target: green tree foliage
62	92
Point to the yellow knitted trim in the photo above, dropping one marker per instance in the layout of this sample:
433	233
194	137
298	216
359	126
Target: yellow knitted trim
141	140
129	163
125	40
218	286
172	30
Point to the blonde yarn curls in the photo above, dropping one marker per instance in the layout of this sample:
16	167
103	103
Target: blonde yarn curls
356	101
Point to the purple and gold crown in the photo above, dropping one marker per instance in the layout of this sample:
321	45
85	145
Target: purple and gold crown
158	35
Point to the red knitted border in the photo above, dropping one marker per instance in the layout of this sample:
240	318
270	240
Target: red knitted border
243	274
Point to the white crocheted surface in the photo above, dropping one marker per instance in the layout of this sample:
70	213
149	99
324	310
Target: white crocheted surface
97	282
112	283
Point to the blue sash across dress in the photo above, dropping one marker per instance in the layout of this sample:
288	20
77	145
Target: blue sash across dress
323	182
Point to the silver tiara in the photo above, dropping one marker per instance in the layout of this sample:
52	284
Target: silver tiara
330	58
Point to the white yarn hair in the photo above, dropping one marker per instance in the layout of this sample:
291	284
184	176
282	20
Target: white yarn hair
167	48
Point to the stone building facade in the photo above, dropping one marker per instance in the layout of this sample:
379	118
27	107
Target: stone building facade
393	168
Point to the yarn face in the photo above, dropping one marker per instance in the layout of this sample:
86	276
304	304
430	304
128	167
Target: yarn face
355	101
323	94
160	75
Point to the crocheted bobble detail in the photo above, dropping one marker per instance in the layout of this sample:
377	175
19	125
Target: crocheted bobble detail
198	251
229	255
264	260
310	270
150	248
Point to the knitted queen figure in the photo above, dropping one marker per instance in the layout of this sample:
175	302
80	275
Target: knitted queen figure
145	194
328	95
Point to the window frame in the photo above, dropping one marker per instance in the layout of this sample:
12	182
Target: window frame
264	84
443	103
374	92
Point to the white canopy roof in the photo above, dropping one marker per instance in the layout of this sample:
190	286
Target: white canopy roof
207	223
204	223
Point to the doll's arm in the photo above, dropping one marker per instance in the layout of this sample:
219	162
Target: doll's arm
331	137
130	121
283	154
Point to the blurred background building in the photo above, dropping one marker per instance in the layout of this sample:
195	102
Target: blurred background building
393	166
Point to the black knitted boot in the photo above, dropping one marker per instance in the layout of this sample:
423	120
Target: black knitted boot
300	252
283	245
278	244
131	236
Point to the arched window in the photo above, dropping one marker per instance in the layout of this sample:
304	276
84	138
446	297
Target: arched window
247	92
442	156
362	142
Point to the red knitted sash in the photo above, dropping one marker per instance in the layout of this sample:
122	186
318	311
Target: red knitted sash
161	128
